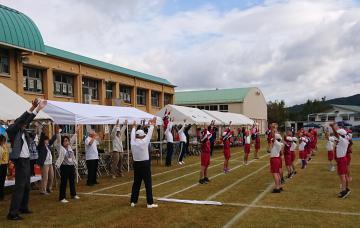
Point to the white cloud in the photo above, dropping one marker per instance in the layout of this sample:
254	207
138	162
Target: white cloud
292	50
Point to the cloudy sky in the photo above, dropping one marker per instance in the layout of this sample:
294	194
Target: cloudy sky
292	50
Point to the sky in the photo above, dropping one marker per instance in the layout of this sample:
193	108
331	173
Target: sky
293	50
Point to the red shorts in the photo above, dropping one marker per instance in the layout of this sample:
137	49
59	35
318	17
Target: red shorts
205	159
293	156
247	148
275	165
302	154
227	154
342	167
287	158
257	145
330	155
348	158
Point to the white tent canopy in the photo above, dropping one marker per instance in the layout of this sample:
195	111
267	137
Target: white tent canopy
226	117
13	105
191	115
76	113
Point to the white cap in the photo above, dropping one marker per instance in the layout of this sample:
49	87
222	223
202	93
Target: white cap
278	136
140	133
341	132
224	133
117	129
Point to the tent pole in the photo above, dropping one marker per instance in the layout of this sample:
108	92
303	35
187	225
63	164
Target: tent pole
128	148
77	156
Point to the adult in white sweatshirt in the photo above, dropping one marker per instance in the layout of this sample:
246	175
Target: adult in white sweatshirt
142	170
170	143
118	149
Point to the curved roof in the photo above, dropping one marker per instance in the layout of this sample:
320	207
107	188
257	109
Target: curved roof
17	29
211	96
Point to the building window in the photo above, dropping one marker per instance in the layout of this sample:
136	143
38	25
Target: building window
223	108
4	61
357	117
63	84
90	87
331	118
207	107
201	107
32	80
155	99
345	117
167	99
213	107
125	94
312	118
141	97
109	90
323	118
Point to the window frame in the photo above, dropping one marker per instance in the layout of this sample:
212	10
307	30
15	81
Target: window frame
223	108
125	90
4	54
139	96
65	79
156	99
29	77
91	85
109	91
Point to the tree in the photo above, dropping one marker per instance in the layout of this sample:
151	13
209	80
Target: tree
277	113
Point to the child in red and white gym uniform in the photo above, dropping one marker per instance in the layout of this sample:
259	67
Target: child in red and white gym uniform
349	152
287	154
275	162
226	138
247	146
205	155
293	155
330	150
302	152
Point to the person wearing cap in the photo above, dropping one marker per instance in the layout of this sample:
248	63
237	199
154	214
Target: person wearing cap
293	155
226	137
117	134
182	138
341	160
349	152
247	146
287	155
20	155
256	135
302	153
205	155
330	150
92	157
275	162
169	143
142	170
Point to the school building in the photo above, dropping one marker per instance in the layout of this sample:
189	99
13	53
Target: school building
33	69
247	101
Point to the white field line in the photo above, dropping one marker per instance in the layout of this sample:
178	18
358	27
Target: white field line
157	174
234	219
253	203
212	177
180	177
247	205
236	182
293	209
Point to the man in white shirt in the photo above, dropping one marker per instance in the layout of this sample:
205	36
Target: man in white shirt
341	160
92	157
142	170
170	143
118	150
20	155
182	137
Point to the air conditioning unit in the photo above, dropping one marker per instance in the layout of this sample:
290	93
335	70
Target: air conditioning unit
87	98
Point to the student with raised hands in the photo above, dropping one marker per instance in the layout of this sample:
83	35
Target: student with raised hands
169	142
118	149
341	160
182	137
226	138
67	163
142	171
205	155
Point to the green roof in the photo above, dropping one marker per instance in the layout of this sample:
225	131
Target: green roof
352	108
18	30
103	65
211	96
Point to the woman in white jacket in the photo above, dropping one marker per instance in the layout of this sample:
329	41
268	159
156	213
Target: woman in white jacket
67	163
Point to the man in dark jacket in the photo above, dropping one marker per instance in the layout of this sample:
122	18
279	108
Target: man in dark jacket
186	131
20	155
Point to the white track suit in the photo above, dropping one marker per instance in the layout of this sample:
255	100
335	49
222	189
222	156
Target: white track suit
182	137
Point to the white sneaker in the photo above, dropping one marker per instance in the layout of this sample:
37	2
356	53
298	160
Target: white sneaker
76	197
152	206
180	163
132	204
64	201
